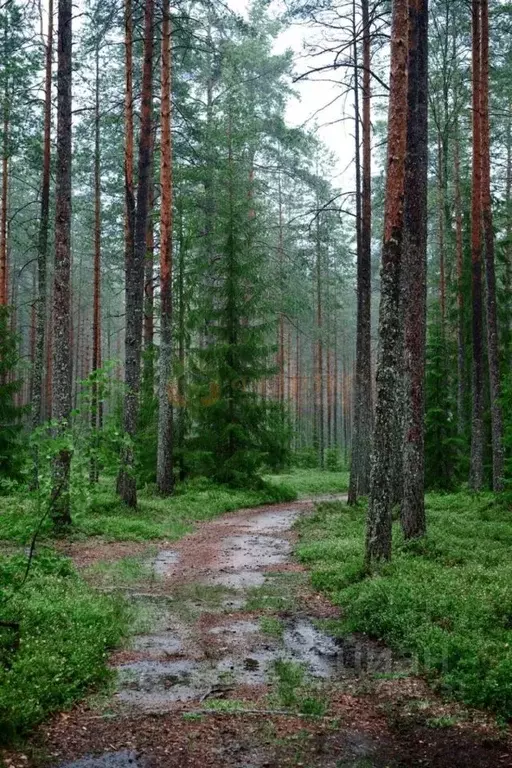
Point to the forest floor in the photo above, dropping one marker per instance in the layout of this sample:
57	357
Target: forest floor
229	664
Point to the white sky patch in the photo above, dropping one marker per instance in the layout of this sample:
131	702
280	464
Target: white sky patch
320	103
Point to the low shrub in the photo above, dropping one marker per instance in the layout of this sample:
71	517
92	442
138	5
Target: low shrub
65	633
445	600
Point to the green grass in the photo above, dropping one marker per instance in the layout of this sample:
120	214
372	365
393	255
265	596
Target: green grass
155	518
272	626
294	690
126	571
308	482
445	600
66	631
279	593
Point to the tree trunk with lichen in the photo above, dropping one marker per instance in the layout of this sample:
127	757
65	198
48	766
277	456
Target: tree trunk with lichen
363	407
477	414
96	402
135	275
42	250
490	272
378	532
459	250
4	281
165	478
415	275
62	366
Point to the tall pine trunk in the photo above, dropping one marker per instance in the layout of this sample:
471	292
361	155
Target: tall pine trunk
441	173
4	280
149	291
42	247
363	408
127	486
96	404
415	271
62	365
319	404
508	252
459	251
477	415
490	272
165	479
378	535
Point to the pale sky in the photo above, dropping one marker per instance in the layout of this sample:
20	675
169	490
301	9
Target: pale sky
338	136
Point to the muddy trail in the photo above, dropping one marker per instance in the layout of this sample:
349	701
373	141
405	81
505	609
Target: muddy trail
233	662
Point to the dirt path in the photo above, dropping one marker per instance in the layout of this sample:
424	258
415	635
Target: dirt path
231	665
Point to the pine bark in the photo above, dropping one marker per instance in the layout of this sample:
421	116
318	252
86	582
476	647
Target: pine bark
459	251
280	332
42	246
96	403
413	518
441	171
378	535
149	283
477	415
363	407
490	272
135	271
129	199
148	370
508	253
319	404
4	281
62	365
165	477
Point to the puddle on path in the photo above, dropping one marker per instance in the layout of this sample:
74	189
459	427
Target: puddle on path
250	552
237	579
238	654
123	759
183	662
236	629
272	522
166	643
164	560
243	559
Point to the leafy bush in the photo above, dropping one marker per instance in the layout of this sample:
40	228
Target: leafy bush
334	460
305	458
446	600
66	631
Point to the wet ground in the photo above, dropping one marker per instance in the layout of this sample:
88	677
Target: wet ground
231	664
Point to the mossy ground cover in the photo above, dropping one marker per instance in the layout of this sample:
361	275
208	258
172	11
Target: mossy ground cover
308	482
445	600
103	514
65	633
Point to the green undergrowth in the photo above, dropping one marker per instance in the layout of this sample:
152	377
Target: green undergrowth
308	482
294	691
65	633
445	600
125	572
156	518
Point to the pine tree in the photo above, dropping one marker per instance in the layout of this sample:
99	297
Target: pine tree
477	416
62	365
378	536
165	479
127	483
415	274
